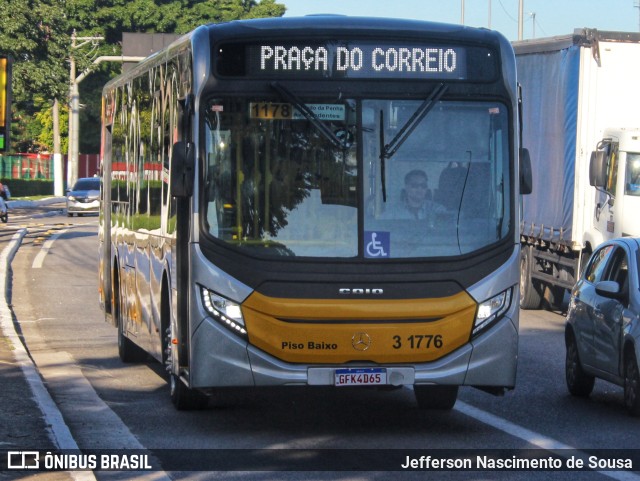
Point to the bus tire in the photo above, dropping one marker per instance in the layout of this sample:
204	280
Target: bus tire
631	384
184	398
579	383
436	397
530	291
127	350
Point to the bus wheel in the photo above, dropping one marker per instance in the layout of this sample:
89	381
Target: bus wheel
436	397
127	350
631	385
579	382
182	397
530	291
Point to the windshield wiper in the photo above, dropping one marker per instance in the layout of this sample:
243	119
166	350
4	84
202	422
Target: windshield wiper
309	115
407	129
389	150
383	158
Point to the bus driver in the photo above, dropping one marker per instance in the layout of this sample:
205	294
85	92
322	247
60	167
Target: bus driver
415	198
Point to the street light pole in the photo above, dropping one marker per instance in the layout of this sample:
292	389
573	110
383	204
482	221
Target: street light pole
58	172
533	21
74	107
520	19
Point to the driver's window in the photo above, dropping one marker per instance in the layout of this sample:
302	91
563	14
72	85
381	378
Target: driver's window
596	267
618	270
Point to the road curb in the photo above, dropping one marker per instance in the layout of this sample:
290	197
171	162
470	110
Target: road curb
58	431
35	203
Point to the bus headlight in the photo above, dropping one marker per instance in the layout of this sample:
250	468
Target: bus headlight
226	312
491	310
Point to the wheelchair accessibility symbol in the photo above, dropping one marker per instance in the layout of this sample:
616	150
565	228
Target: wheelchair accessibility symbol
377	244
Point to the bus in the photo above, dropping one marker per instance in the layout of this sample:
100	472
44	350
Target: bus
316	201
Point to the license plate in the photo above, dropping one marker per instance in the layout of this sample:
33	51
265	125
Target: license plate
361	377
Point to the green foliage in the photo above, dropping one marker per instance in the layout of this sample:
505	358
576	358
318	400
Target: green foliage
34	33
37	34
44	121
25	188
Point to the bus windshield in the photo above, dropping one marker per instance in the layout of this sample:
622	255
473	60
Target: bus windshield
282	182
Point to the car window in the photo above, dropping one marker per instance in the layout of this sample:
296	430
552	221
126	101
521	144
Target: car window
597	264
87	184
618	269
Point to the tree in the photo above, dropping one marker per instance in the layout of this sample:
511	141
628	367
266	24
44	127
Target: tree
34	33
37	34
43	128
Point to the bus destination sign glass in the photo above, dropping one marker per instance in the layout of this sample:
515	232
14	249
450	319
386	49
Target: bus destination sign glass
355	60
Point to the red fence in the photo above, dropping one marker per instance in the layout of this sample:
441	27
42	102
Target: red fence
40	166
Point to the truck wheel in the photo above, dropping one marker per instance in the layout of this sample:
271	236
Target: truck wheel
631	385
436	397
530	290
579	383
554	297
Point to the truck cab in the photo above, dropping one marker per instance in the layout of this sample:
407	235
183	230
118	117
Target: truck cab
615	173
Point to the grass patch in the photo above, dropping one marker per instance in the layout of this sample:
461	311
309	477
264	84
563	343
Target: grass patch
32	197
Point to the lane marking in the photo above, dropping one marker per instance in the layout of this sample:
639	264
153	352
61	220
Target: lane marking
62	369
38	261
537	439
58	430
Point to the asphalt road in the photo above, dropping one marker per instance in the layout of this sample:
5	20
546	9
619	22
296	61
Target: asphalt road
109	405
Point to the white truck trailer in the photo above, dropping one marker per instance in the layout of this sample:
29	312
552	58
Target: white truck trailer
581	121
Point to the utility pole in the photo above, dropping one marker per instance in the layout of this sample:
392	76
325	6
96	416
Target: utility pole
533	21
462	12
520	18
74	106
58	171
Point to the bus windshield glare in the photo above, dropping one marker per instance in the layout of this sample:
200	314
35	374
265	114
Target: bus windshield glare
279	183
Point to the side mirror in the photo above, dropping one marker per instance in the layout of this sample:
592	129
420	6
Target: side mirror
182	169
609	289
526	174
598	169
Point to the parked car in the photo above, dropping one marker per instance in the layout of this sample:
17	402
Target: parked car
84	198
603	322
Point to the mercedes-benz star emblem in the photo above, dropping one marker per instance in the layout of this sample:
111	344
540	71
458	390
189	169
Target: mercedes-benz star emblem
361	341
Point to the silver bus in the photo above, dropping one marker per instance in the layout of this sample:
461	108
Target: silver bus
316	201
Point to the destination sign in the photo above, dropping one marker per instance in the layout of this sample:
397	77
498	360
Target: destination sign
356	60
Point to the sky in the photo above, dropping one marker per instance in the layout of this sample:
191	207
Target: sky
542	18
